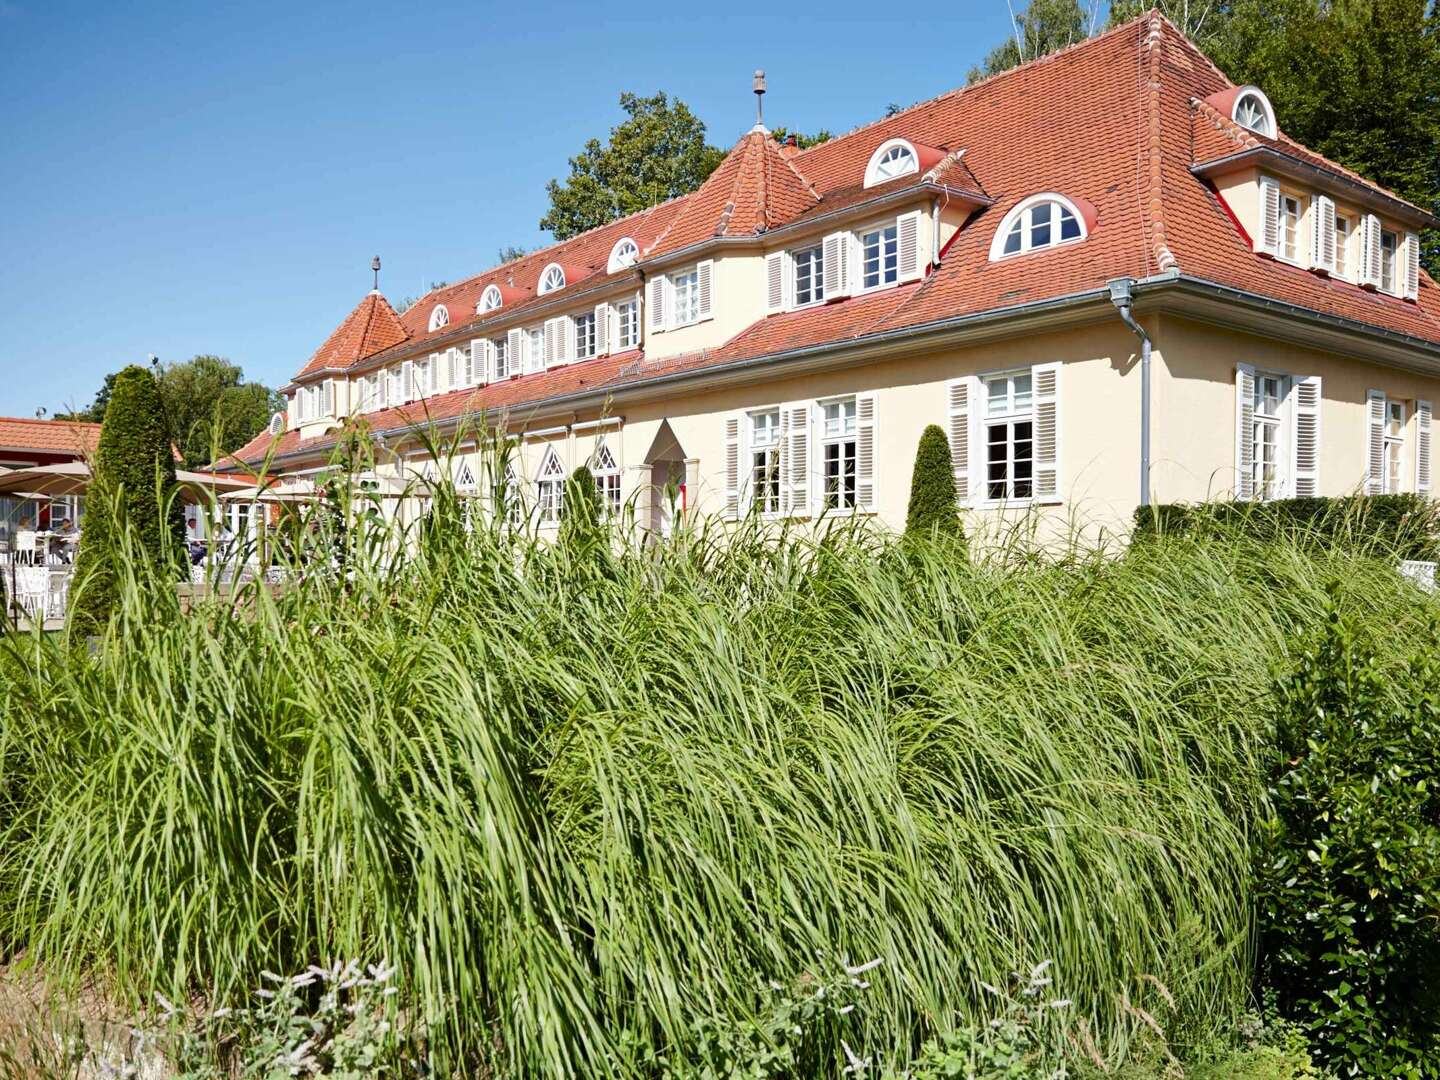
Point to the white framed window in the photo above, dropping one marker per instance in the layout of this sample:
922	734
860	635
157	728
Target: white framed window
550	488
879	257
422	377
512	497
839	443
1268	421
1038	222
764	464
439	316
1394	446
490	300
1389	261
584	335
1343	229
606	471
500	350
892	159
535	349
622	255
552	278
1253	110
809	272
1292	209
394	385
1009	431
685	298
627	324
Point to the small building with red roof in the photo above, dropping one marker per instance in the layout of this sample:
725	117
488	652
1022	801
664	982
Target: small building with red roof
1107	274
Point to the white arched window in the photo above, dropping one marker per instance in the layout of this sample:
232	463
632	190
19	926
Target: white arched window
606	471
550	488
439	317
277	423
1041	221
892	158
490	299
553	278
1253	111
623	254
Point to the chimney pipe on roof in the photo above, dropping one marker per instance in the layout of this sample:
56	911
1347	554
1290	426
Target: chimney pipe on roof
375	266
758	85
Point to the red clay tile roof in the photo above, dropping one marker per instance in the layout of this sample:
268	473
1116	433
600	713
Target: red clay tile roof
1108	122
49	436
371	327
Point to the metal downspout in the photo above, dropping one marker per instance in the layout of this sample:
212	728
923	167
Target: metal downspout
1121	296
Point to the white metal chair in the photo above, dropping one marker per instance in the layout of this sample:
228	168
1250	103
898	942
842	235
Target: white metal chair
26	547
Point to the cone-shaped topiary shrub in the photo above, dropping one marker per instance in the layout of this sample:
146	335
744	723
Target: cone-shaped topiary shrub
933	506
132	490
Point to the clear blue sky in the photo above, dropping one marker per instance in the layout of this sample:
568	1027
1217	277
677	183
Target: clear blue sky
210	177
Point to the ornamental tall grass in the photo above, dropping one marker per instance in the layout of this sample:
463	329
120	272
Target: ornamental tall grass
589	801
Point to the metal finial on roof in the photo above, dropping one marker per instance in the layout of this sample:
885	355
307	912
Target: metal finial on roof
375	266
758	85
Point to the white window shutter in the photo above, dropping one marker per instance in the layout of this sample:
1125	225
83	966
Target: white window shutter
959	395
1370	250
1374	442
775	281
407	380
1322	233
797	459
473	370
1423	413
1411	290
514	346
1268	235
836	256
907	231
1046	381
1244	431
656	303
1305	423
732	467
865	473
327	398
602	329
292	409
704	275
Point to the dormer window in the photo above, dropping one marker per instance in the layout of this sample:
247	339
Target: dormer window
1253	111
623	255
892	159
552	279
490	299
277	423
1041	221
439	317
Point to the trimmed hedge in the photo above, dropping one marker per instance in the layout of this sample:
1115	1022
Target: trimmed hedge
933	507
1406	526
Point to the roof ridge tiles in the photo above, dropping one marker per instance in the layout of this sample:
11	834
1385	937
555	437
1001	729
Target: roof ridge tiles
1154	39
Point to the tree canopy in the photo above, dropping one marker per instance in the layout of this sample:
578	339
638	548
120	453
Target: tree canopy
1040	29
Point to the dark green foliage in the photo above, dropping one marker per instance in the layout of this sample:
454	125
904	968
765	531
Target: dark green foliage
1043	27
656	153
1402	526
131	493
782	134
1348	867
212	410
582	517
933	508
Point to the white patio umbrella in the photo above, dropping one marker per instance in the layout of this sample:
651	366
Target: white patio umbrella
73	478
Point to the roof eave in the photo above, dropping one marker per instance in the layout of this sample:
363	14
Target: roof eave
1356	191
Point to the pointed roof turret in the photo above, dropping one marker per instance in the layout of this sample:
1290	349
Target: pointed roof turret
371	327
753	190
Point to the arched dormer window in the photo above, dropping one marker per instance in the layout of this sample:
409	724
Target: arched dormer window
439	316
1253	110
1041	221
553	278
623	254
277	423
894	157
490	300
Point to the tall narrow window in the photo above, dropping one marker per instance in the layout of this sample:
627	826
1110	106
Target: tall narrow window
1389	248
550	489
1009	436
500	349
765	461
512	499
1342	246
1271	392
809	276
880	259
1394	445
687	297
1290	211
839	445
627	322
535	356
606	471
585	335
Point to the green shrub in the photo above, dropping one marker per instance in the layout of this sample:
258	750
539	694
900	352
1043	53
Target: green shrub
1399	526
1348	871
933	504
131	511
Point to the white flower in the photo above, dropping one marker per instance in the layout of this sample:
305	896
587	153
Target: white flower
166	1005
861	969
857	1065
